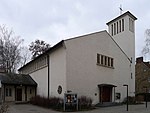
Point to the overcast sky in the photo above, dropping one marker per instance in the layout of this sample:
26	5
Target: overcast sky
55	20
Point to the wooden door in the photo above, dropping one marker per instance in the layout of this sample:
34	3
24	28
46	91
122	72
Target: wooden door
106	94
19	94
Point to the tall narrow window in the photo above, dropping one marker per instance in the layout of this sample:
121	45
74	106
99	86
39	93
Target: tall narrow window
6	92
108	61
9	91
102	57
114	28
119	25
105	60
131	25
30	91
122	24
112	62
98	58
131	76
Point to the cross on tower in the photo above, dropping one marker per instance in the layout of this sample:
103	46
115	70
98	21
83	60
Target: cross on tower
121	10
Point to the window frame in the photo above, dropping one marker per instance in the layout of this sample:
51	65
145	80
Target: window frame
105	61
8	92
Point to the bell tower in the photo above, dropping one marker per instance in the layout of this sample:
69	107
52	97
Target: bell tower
122	30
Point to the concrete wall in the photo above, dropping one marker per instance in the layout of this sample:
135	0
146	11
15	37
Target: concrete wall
58	72
83	73
30	92
41	78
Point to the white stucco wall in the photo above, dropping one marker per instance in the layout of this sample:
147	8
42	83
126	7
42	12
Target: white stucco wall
41	78
58	71
31	93
83	73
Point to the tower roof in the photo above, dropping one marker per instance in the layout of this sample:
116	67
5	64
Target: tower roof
124	14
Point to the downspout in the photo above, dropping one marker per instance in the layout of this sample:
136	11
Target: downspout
48	72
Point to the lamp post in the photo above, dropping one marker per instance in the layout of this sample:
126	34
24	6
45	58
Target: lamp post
127	96
145	96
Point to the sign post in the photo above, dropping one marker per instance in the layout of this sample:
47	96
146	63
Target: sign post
127	96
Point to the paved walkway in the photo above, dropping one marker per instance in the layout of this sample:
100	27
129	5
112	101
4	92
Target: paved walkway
27	108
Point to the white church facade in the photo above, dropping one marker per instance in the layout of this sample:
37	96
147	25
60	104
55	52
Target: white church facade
95	65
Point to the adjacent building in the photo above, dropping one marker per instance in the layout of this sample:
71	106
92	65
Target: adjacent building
142	76
16	87
96	65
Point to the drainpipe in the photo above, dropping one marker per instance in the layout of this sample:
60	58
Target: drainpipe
48	72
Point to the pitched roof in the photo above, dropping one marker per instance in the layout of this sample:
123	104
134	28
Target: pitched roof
124	14
17	79
140	60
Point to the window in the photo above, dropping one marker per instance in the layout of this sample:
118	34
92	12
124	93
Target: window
108	61
102	60
105	61
8	92
30	91
112	30
112	62
98	58
131	25
122	24
119	25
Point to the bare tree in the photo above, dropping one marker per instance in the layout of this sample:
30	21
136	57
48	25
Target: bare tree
38	47
10	48
25	55
146	48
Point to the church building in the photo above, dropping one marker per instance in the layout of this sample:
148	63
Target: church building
95	65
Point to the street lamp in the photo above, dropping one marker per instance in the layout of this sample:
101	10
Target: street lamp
145	95
127	95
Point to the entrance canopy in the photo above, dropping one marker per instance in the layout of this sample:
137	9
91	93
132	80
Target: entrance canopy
106	85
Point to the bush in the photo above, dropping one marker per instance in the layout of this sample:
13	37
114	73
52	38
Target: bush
140	98
4	108
84	102
52	102
143	95
131	100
